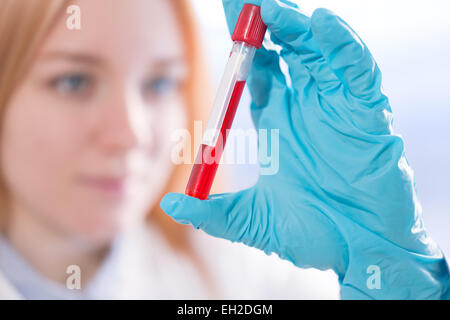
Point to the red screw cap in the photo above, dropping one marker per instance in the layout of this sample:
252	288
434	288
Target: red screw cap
250	28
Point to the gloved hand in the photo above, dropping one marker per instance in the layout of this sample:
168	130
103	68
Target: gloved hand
344	196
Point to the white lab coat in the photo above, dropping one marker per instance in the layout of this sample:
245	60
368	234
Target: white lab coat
142	266
7	292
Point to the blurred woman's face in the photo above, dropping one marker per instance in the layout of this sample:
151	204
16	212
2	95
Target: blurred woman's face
85	142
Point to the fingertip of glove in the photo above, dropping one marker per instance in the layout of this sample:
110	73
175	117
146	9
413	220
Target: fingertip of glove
183	209
329	28
279	3
322	16
284	20
170	202
270	9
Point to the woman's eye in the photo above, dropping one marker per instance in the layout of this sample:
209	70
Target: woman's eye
158	87
71	84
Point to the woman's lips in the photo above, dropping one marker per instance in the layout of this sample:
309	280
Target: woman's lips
114	186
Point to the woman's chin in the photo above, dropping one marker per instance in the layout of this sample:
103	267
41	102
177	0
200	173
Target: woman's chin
98	228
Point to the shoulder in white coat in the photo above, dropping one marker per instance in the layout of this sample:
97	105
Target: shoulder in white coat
7	292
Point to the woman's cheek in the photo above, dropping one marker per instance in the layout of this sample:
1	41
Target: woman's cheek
171	118
175	122
33	143
40	145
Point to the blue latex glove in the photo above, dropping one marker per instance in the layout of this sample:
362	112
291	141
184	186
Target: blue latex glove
344	195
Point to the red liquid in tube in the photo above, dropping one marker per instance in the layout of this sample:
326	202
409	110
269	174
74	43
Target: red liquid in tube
247	37
207	160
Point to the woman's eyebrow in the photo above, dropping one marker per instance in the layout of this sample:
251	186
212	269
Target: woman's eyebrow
160	64
174	66
168	62
78	57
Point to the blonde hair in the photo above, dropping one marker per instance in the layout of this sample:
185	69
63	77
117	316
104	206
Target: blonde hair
23	26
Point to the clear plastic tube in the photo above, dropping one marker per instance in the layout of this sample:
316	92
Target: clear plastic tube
220	120
248	36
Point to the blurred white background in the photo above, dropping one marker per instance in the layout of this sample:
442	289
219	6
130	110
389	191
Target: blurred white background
410	40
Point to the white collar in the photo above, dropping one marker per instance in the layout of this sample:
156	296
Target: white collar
7	292
140	265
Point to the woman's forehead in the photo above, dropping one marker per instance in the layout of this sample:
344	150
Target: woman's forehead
120	31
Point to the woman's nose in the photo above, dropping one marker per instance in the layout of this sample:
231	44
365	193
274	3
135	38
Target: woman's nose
125	124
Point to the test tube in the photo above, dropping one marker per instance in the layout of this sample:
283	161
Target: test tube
247	37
